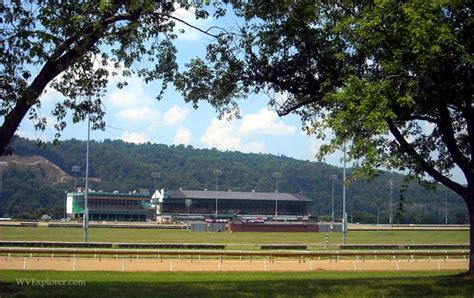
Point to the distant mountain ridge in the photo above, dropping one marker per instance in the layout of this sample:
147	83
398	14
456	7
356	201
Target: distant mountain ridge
30	191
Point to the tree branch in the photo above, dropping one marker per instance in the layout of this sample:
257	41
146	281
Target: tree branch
447	133
410	151
417	117
288	110
195	27
49	71
88	30
468	112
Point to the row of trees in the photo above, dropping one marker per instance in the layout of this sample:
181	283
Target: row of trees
116	165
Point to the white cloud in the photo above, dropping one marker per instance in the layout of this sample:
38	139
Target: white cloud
144	115
132	95
135	137
224	135
183	136
265	122
175	116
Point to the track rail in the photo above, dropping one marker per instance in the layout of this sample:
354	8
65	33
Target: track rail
230	246
235	253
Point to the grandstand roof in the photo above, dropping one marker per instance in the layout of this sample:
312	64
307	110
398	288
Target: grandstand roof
236	195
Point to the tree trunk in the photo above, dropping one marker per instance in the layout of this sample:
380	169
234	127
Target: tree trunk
11	123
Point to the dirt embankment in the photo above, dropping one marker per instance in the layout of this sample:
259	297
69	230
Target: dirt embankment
40	166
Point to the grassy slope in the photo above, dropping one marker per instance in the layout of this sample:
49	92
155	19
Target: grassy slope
342	284
183	236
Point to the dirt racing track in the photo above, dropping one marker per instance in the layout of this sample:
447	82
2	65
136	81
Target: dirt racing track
177	265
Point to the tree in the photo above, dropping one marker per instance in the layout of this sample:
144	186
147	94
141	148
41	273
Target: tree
75	49
392	79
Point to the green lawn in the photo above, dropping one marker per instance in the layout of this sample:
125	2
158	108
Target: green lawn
323	284
185	236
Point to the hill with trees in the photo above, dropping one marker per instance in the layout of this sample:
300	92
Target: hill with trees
36	179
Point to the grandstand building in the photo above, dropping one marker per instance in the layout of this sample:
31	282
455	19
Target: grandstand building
176	204
105	206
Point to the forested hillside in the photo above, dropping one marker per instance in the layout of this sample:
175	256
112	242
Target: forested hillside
29	188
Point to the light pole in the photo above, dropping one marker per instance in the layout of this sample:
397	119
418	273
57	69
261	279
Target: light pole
217	174
277	176
155	175
65	205
75	170
333	178
344	215
86	194
390	184
378	218
446	207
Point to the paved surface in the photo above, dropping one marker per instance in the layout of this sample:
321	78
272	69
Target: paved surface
170	265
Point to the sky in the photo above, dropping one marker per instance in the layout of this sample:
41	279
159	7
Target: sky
134	115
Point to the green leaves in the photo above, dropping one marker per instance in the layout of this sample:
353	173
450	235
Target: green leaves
378	75
76	49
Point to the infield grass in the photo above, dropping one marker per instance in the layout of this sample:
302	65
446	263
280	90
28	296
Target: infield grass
321	284
186	236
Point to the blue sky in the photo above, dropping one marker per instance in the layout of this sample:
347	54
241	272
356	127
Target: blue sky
134	115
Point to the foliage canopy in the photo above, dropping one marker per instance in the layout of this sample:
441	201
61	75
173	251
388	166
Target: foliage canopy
76	49
393	79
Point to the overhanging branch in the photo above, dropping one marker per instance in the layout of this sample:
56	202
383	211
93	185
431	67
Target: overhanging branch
408	149
294	107
447	134
417	117
195	27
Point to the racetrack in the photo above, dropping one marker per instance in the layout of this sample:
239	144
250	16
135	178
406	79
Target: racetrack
179	265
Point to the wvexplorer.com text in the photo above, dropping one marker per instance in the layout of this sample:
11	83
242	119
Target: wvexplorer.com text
34	282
